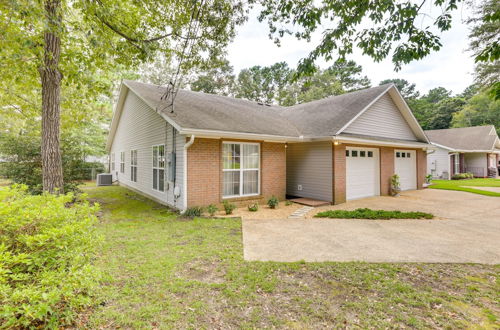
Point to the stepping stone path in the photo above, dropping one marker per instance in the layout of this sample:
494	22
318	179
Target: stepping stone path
300	213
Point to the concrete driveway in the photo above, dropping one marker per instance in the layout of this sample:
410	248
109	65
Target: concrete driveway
467	229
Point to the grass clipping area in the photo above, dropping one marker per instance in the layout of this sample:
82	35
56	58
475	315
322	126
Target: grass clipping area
373	214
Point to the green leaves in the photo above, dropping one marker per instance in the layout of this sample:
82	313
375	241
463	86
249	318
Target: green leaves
47	243
378	27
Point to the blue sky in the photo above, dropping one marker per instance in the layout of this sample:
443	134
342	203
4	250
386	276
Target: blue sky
451	67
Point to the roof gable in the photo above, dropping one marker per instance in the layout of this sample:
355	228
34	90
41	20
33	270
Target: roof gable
382	118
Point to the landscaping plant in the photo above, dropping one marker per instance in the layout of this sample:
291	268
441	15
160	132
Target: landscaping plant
462	176
228	207
288	203
395	185
428	178
195	211
212	209
273	202
373	214
253	207
47	244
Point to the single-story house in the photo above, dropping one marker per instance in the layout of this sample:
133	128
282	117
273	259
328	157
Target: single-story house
208	148
473	150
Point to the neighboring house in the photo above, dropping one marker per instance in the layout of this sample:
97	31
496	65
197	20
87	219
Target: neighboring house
473	150
209	148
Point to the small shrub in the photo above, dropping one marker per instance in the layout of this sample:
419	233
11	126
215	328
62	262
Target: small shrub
273	202
462	176
253	207
228	207
395	185
47	244
288	203
428	178
195	211
373	214
212	209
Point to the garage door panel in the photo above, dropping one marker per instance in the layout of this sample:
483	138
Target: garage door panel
405	165
362	172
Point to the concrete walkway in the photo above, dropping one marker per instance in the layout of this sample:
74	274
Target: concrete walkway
467	230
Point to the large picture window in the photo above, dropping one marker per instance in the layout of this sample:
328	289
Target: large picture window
241	169
159	167
133	165
122	162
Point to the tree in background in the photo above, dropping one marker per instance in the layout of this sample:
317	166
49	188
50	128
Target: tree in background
479	110
218	80
407	90
485	44
265	84
349	73
70	43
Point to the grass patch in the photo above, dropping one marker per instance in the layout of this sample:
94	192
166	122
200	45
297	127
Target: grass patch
463	185
373	214
162	271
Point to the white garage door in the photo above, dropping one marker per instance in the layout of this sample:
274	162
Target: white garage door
362	171
405	165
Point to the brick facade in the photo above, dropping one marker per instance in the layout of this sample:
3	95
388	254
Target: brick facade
339	174
421	168
204	166
386	169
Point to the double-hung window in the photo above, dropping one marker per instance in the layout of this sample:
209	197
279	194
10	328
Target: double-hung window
113	161
241	169
159	167
122	162
133	165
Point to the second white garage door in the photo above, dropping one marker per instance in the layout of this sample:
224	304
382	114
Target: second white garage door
405	165
362	172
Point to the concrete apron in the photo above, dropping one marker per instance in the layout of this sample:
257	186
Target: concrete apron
370	241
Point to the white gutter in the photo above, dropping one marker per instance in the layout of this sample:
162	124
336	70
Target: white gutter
382	143
184	183
238	135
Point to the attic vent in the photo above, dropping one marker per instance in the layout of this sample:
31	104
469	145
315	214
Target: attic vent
268	105
260	103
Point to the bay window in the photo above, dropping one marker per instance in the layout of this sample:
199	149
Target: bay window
241	169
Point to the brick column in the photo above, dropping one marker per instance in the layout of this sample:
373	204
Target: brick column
273	170
386	169
339	174
421	167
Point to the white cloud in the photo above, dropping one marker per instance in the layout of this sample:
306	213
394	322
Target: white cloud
451	67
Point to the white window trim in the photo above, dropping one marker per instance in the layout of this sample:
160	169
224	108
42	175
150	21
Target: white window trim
242	170
122	161
457	163
113	160
133	164
158	168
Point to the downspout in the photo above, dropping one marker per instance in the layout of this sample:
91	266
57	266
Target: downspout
186	147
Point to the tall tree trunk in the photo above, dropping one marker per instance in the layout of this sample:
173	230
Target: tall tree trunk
51	90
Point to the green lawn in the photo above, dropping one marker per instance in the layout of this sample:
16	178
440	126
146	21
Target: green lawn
162	271
463	185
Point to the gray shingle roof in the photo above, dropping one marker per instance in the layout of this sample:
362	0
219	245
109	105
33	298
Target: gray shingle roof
196	110
465	138
326	116
213	112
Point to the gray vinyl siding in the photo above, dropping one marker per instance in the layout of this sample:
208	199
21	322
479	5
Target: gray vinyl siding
383	119
438	162
310	165
139	128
